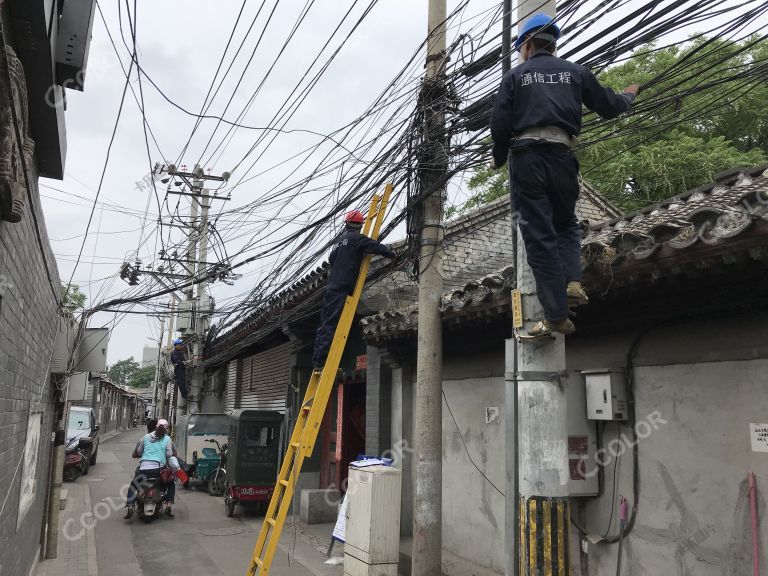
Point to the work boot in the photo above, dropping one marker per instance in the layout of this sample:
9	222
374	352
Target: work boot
128	513
546	327
576	294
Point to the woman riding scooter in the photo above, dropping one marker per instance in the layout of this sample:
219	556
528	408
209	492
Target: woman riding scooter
154	450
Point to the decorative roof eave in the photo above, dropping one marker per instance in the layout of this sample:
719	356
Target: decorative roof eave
288	299
668	259
713	215
481	299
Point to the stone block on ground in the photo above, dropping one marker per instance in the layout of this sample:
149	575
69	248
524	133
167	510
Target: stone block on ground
319	506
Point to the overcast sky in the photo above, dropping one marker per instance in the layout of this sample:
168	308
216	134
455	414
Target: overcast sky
179	45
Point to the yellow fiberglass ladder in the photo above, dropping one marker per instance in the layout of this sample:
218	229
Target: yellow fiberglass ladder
312	410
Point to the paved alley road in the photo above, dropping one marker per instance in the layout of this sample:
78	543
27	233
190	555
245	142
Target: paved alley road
199	541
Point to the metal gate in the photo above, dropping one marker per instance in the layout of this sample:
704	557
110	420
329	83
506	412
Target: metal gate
231	385
264	379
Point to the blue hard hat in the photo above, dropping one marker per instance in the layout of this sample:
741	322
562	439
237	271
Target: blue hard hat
178	342
550	31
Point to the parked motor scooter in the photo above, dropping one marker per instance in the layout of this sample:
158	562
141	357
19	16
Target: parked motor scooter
76	459
217	482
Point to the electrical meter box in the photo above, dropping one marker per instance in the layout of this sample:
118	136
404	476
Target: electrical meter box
606	394
372	546
583	481
185	319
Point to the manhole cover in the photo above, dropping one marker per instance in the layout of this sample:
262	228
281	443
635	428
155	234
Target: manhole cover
222	531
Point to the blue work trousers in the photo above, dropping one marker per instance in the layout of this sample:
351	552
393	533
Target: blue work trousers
544	184
333	305
180	375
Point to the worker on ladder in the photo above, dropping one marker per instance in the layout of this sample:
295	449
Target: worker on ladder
536	117
345	259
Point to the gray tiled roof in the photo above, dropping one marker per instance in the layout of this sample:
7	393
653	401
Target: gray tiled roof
711	214
477	245
476	298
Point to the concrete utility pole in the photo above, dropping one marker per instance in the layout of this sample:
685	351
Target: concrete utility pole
512	489
428	517
542	461
161	413
195	271
157	367
193	301
202	303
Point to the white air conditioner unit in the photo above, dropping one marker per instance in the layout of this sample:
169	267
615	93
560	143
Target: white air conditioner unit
63	344
78	387
92	353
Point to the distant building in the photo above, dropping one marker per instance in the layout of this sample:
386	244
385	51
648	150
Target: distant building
149	356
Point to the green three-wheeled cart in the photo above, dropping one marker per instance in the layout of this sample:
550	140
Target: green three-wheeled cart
253	458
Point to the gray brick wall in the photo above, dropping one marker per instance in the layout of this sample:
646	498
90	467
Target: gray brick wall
378	403
28	321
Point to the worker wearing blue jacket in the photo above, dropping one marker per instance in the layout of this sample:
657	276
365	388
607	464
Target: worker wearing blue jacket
536	116
345	259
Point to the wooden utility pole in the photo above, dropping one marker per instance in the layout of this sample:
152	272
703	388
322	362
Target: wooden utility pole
540	477
427	514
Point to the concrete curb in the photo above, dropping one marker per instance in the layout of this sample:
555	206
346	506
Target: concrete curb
109	435
93	559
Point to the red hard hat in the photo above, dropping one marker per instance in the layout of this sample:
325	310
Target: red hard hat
354	217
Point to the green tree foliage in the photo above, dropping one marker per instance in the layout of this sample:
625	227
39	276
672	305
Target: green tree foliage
653	156
71	297
122	371
142	378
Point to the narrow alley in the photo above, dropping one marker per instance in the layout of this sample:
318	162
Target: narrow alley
200	541
384	288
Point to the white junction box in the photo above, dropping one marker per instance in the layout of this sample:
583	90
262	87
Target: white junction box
372	546
356	567
606	394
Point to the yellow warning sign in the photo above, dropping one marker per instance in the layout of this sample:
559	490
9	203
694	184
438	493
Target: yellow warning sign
517	309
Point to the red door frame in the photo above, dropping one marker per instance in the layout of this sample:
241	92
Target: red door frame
329	433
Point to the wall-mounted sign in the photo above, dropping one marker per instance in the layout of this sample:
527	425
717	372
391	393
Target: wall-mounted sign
759	435
28	485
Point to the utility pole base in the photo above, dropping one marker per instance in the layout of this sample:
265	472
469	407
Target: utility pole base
545	525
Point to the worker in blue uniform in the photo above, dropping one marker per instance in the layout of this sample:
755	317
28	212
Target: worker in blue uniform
535	119
345	258
179	361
